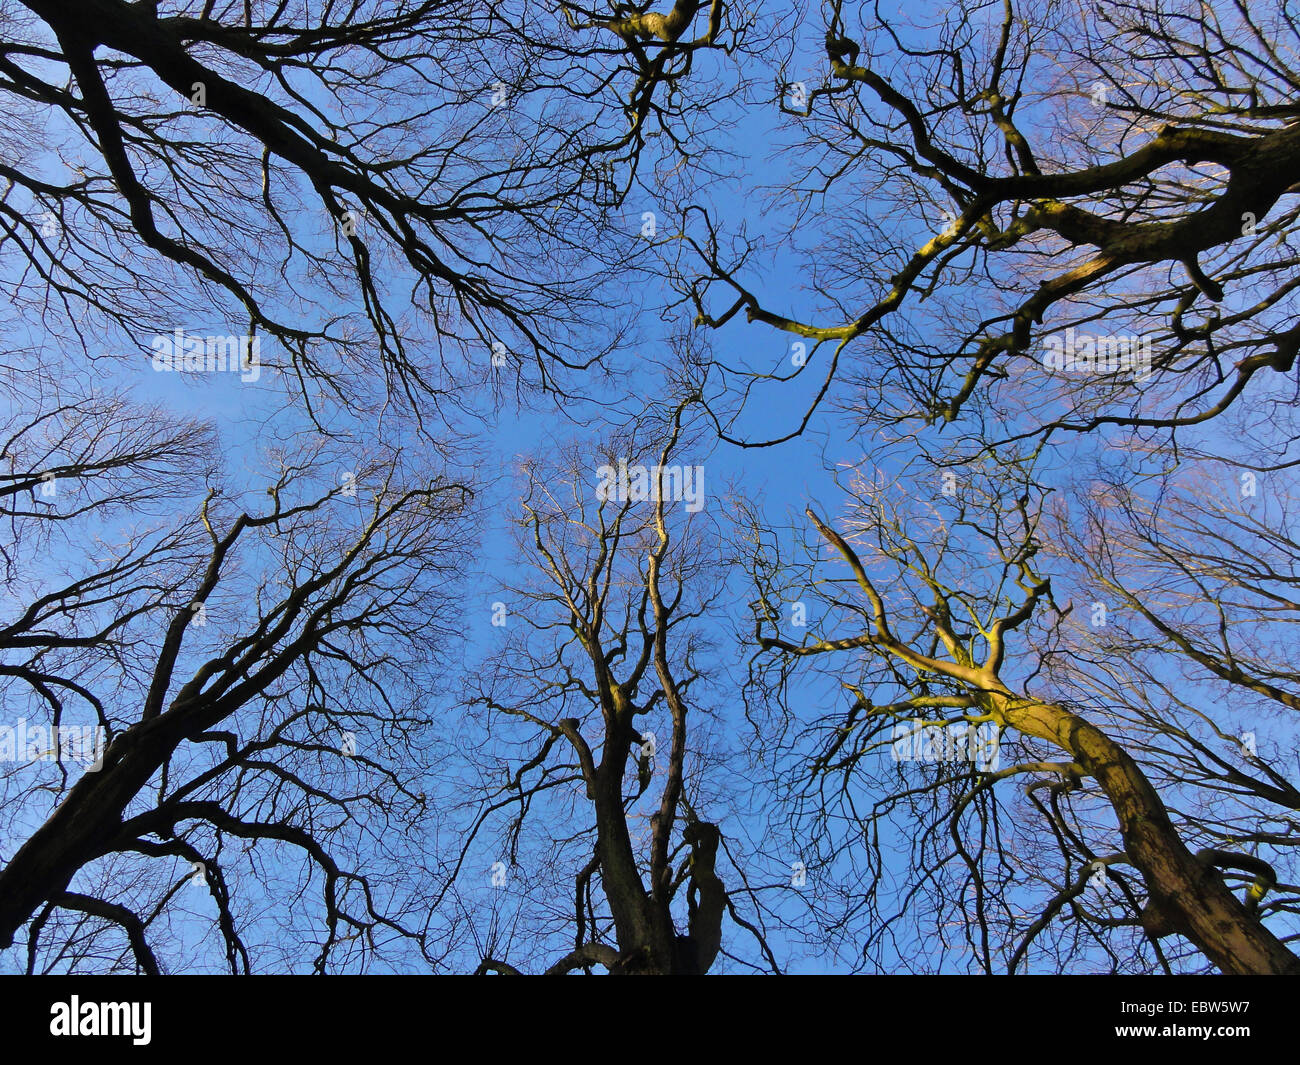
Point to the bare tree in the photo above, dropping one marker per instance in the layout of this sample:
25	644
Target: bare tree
609	640
979	188
1185	637
1009	241
475	159
254	674
960	644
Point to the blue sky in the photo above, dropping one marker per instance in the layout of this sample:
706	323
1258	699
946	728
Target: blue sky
786	477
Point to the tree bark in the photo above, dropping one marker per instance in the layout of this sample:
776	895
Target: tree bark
1189	894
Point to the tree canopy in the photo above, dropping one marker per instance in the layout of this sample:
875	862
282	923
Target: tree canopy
649	487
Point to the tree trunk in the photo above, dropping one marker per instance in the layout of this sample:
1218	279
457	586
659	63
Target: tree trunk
1191	896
